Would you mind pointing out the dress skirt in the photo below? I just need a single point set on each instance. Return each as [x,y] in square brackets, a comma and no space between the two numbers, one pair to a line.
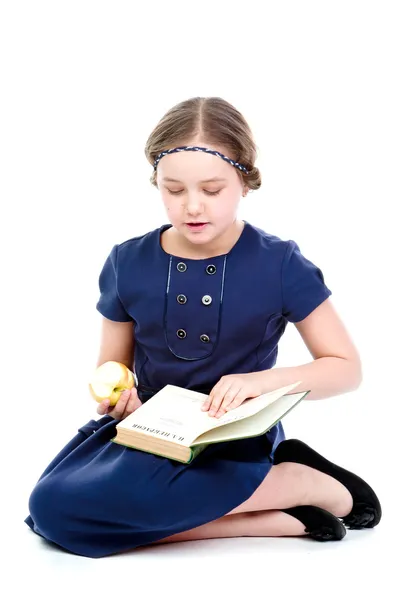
[98,498]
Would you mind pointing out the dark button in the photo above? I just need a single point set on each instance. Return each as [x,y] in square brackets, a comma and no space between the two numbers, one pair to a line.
[211,269]
[204,338]
[206,300]
[181,267]
[181,299]
[181,333]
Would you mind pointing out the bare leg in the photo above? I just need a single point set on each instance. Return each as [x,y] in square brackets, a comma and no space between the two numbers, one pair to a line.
[292,484]
[271,523]
[287,485]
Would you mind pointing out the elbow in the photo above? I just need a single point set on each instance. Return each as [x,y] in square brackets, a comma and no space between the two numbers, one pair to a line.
[355,371]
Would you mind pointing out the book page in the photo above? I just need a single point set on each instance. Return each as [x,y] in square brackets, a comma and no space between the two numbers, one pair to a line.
[250,407]
[174,414]
[254,425]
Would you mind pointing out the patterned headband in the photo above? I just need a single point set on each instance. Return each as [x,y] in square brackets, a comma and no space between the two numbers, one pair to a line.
[199,149]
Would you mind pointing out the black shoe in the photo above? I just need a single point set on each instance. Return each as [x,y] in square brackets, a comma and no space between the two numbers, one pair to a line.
[366,511]
[319,523]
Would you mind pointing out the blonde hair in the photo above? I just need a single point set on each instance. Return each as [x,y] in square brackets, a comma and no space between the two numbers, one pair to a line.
[213,120]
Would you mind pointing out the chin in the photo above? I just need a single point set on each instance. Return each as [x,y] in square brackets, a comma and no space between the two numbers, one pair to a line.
[199,237]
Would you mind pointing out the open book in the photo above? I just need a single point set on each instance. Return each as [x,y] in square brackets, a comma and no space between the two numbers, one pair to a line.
[172,424]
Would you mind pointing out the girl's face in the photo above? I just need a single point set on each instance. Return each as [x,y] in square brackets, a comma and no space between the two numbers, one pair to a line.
[201,193]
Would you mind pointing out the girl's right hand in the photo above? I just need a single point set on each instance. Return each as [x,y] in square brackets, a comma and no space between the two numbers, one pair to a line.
[127,404]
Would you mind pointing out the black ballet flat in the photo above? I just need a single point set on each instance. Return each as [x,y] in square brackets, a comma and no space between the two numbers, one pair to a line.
[366,511]
[320,524]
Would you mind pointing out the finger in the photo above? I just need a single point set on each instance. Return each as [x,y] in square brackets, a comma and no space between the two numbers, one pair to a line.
[227,401]
[229,398]
[103,407]
[120,407]
[138,402]
[237,401]
[207,403]
[131,404]
[218,399]
[214,392]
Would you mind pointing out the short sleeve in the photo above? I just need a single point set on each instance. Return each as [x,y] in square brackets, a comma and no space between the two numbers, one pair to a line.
[303,285]
[109,303]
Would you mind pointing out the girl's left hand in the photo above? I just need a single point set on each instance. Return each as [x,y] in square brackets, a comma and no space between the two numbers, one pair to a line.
[231,391]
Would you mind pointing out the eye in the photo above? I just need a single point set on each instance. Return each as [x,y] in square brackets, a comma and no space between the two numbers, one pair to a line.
[209,193]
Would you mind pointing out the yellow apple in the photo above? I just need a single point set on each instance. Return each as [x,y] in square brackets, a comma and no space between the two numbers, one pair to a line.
[109,381]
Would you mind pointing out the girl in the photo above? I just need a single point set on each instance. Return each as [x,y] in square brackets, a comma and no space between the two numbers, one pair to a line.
[201,303]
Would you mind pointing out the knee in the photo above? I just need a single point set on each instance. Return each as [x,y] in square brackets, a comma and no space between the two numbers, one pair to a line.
[43,509]
[50,512]
[64,515]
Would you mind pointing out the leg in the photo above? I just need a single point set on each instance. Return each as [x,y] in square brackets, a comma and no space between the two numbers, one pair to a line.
[287,485]
[366,511]
[291,484]
[271,523]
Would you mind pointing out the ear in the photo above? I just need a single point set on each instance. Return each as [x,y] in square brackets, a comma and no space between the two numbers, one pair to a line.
[245,191]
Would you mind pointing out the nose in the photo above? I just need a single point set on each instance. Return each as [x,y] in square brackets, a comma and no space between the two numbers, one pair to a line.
[194,204]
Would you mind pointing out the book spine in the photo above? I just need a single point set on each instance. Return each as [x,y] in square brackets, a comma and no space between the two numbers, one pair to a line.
[195,451]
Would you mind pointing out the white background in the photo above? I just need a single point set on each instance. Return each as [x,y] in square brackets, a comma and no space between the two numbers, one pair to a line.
[82,85]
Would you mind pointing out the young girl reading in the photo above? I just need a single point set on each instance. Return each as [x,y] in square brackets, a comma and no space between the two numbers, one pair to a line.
[201,303]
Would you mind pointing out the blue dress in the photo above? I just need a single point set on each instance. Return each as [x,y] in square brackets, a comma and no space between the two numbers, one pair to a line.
[194,321]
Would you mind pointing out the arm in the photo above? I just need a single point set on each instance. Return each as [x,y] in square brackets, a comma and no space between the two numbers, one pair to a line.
[336,368]
[116,343]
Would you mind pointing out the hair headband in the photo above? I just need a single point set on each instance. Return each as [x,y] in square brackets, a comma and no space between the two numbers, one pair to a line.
[199,149]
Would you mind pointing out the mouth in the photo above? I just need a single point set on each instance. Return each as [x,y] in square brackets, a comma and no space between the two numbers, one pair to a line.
[196,226]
